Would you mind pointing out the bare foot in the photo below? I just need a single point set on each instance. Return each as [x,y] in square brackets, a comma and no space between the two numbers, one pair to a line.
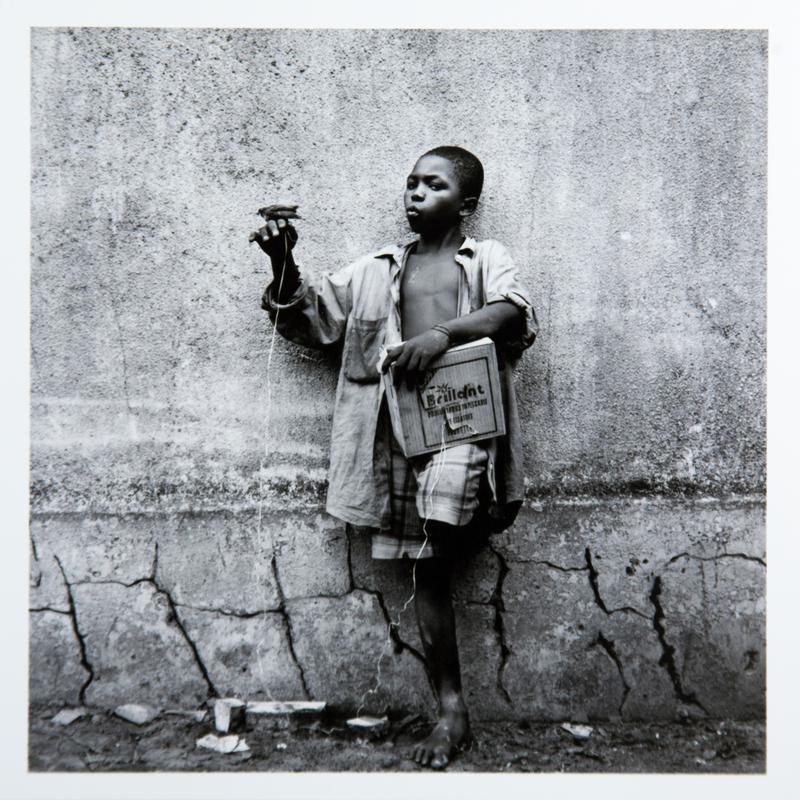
[450,734]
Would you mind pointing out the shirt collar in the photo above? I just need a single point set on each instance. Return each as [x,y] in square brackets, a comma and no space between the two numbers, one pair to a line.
[396,251]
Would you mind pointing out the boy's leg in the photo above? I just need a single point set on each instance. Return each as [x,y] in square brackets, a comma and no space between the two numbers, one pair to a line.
[431,503]
[438,633]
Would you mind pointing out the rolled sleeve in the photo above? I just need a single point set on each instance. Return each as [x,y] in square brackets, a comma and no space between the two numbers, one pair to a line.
[316,314]
[502,282]
[270,304]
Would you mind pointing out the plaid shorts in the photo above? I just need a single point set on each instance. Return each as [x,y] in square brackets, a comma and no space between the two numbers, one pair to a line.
[443,486]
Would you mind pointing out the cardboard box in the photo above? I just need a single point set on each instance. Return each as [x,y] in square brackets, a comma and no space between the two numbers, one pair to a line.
[458,401]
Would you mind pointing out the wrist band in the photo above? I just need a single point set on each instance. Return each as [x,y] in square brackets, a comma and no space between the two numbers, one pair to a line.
[446,331]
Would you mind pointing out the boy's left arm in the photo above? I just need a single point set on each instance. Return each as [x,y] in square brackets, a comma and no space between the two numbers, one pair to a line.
[500,320]
[503,289]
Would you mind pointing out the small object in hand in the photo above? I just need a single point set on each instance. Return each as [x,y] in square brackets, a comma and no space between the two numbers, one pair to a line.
[279,211]
[276,211]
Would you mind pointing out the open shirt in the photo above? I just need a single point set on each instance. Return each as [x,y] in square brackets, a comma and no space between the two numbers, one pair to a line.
[358,308]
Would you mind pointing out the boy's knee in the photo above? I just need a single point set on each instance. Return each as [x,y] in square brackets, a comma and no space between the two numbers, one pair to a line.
[432,573]
[440,530]
[458,541]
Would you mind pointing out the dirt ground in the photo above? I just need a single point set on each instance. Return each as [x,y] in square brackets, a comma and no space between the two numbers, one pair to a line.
[101,742]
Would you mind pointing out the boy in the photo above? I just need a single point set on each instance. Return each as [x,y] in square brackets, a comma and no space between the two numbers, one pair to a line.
[418,299]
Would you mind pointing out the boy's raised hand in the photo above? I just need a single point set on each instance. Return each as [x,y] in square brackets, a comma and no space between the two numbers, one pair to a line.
[411,358]
[276,239]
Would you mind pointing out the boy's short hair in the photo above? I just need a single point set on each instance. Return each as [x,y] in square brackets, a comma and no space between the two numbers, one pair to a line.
[468,168]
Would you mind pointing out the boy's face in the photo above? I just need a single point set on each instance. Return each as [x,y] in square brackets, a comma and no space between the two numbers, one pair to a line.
[433,197]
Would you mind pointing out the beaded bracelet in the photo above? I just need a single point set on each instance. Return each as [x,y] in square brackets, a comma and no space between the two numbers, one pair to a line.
[446,331]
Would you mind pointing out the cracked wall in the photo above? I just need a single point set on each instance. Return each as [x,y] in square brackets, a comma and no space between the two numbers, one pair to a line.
[625,172]
[580,611]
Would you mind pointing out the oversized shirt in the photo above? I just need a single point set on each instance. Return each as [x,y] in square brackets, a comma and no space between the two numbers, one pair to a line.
[358,308]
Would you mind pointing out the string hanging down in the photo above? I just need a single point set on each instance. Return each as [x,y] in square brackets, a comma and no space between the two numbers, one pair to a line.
[261,560]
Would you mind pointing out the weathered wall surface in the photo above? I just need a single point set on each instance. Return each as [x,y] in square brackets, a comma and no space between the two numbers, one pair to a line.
[180,548]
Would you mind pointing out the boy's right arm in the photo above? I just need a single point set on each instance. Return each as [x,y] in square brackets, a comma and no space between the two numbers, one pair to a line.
[313,316]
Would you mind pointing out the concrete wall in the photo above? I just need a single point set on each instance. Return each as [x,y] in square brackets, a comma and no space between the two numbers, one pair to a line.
[178,543]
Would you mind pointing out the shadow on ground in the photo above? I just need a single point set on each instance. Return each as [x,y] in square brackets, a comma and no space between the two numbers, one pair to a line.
[101,742]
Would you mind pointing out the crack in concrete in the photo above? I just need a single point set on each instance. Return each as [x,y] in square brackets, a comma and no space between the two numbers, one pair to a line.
[172,617]
[352,582]
[73,615]
[192,646]
[546,563]
[594,582]
[319,596]
[48,608]
[742,556]
[496,600]
[287,622]
[115,582]
[611,651]
[121,340]
[228,613]
[667,659]
[400,644]
[154,567]
[37,581]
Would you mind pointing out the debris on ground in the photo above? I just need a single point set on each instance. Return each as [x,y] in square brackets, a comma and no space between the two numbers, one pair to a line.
[103,742]
[578,731]
[285,707]
[137,714]
[198,715]
[229,714]
[68,715]
[223,744]
[273,715]
[374,726]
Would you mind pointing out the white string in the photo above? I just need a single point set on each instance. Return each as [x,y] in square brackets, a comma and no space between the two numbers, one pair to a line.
[261,577]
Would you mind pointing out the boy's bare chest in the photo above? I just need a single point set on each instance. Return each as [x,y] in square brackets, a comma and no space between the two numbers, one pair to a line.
[430,277]
[428,293]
